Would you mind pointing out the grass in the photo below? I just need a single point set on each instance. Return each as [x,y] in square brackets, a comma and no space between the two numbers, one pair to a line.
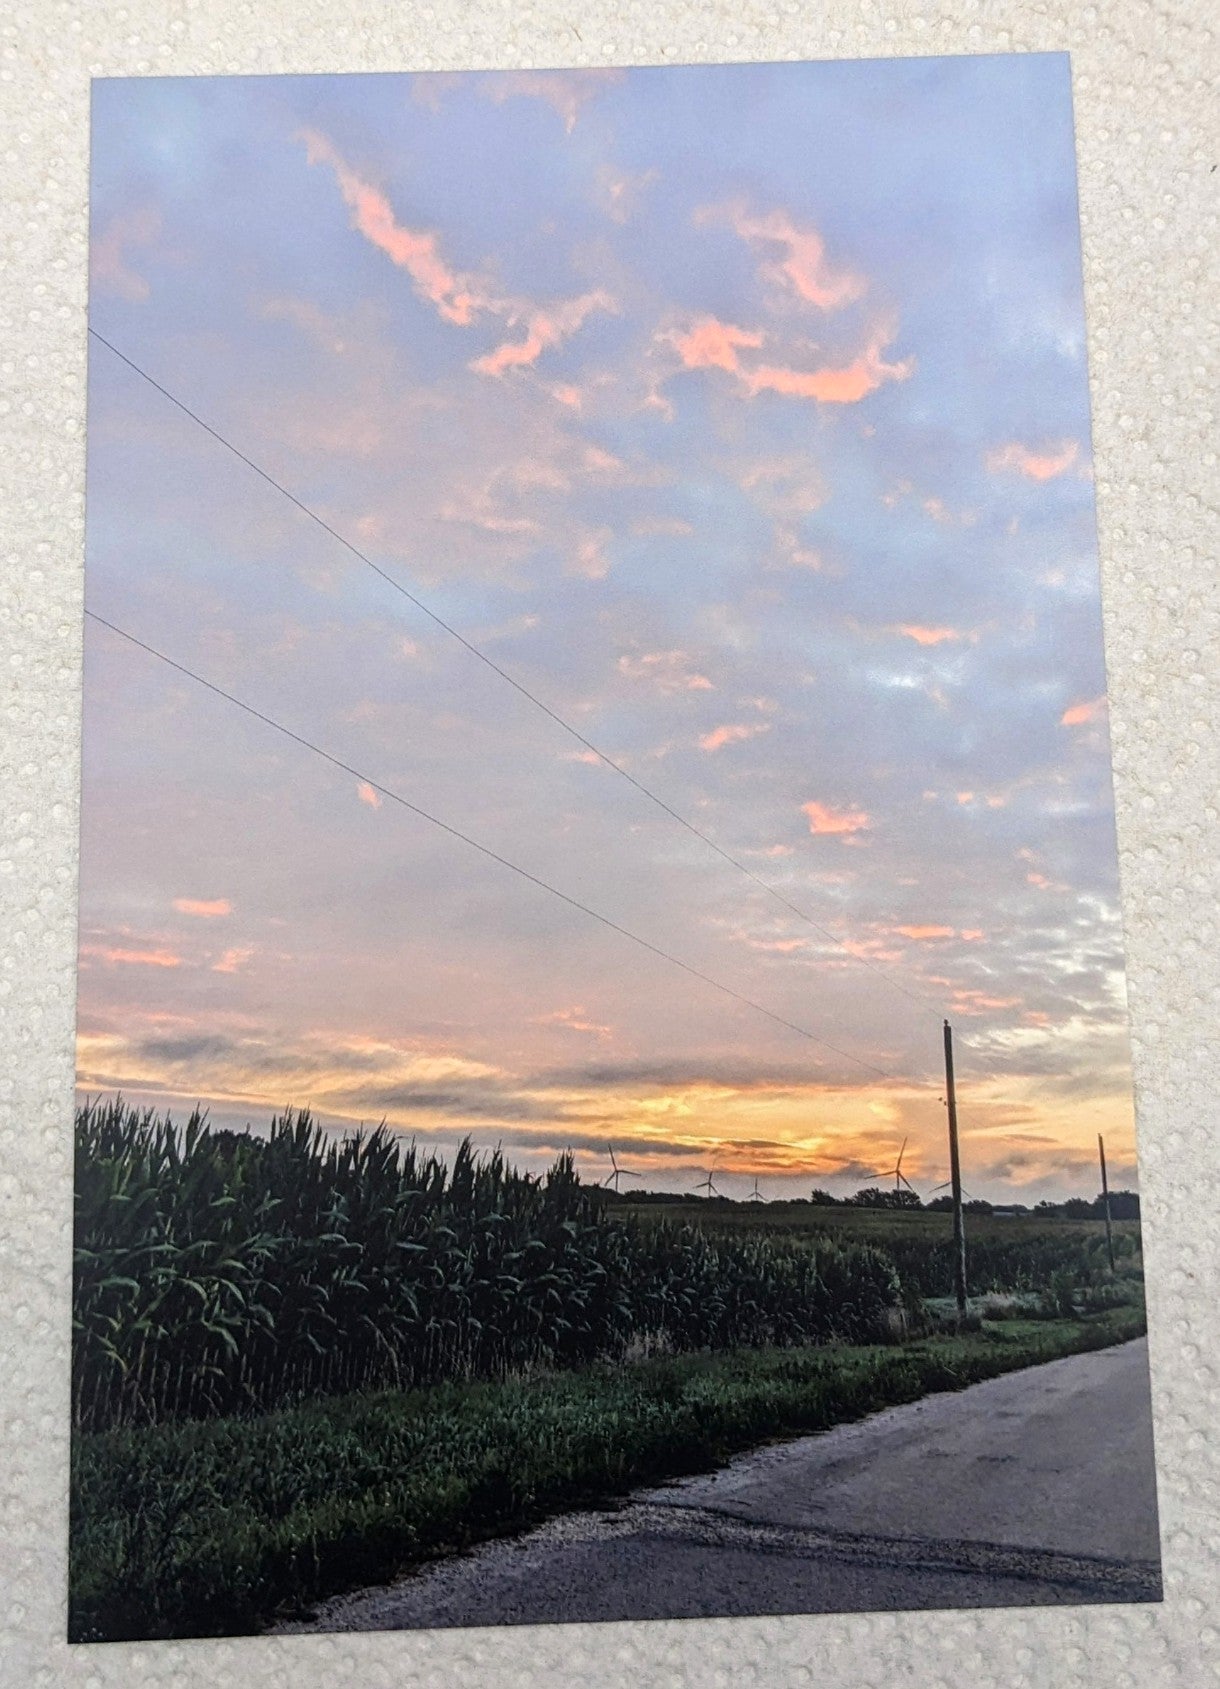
[212,1527]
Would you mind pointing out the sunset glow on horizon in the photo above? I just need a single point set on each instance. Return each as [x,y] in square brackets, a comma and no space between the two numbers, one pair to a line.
[740,415]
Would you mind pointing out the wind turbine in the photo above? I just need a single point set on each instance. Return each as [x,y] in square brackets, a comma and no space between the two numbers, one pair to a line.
[707,1184]
[755,1195]
[619,1172]
[900,1177]
[945,1186]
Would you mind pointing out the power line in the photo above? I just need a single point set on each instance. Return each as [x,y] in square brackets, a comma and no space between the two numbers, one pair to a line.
[483,850]
[518,686]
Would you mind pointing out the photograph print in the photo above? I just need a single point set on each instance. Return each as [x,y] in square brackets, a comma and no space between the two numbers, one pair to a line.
[603,1075]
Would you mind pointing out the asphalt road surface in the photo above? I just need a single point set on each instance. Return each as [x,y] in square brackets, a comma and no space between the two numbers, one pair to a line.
[1031,1489]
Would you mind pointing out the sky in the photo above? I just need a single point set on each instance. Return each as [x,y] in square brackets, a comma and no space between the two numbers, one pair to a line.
[740,416]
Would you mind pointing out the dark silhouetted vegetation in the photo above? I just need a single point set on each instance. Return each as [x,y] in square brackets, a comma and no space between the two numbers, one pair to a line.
[208,1527]
[220,1273]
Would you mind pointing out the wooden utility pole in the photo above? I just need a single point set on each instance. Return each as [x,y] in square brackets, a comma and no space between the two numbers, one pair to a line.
[1105,1197]
[955,1175]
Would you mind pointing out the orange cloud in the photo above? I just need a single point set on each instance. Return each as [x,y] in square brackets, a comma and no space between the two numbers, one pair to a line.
[926,636]
[133,958]
[924,932]
[824,820]
[800,264]
[204,907]
[368,795]
[564,91]
[457,298]
[545,328]
[1077,715]
[731,734]
[844,386]
[978,1002]
[711,344]
[1041,465]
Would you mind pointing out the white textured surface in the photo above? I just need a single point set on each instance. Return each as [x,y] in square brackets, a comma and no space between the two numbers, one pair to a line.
[1148,145]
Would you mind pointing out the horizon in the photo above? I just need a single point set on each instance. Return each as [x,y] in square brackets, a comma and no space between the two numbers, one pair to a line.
[741,414]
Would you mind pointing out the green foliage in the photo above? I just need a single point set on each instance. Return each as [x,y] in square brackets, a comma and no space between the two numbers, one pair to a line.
[207,1527]
[219,1273]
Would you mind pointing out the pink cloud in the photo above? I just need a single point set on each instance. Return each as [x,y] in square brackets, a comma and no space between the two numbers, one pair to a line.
[926,635]
[108,265]
[670,671]
[564,91]
[575,1019]
[1078,715]
[829,386]
[799,265]
[925,932]
[458,298]
[159,958]
[231,961]
[367,794]
[545,328]
[731,734]
[711,344]
[589,559]
[1041,465]
[206,908]
[844,822]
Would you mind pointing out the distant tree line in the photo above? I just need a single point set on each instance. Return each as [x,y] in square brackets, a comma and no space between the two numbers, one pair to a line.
[1124,1205]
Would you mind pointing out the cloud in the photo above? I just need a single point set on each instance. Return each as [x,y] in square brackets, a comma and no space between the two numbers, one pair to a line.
[205,908]
[589,559]
[108,265]
[564,91]
[546,327]
[926,635]
[232,960]
[711,344]
[787,485]
[843,822]
[116,955]
[923,932]
[731,734]
[575,1019]
[368,795]
[796,256]
[845,385]
[1077,715]
[458,298]
[669,671]
[621,192]
[1041,465]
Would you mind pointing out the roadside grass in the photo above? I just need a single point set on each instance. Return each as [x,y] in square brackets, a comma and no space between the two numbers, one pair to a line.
[209,1528]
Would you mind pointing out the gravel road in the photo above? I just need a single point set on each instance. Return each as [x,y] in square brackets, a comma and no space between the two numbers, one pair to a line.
[1031,1489]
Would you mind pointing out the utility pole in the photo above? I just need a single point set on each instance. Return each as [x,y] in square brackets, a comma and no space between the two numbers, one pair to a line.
[955,1174]
[1105,1197]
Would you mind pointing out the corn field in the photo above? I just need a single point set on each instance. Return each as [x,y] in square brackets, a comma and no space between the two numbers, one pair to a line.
[219,1273]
